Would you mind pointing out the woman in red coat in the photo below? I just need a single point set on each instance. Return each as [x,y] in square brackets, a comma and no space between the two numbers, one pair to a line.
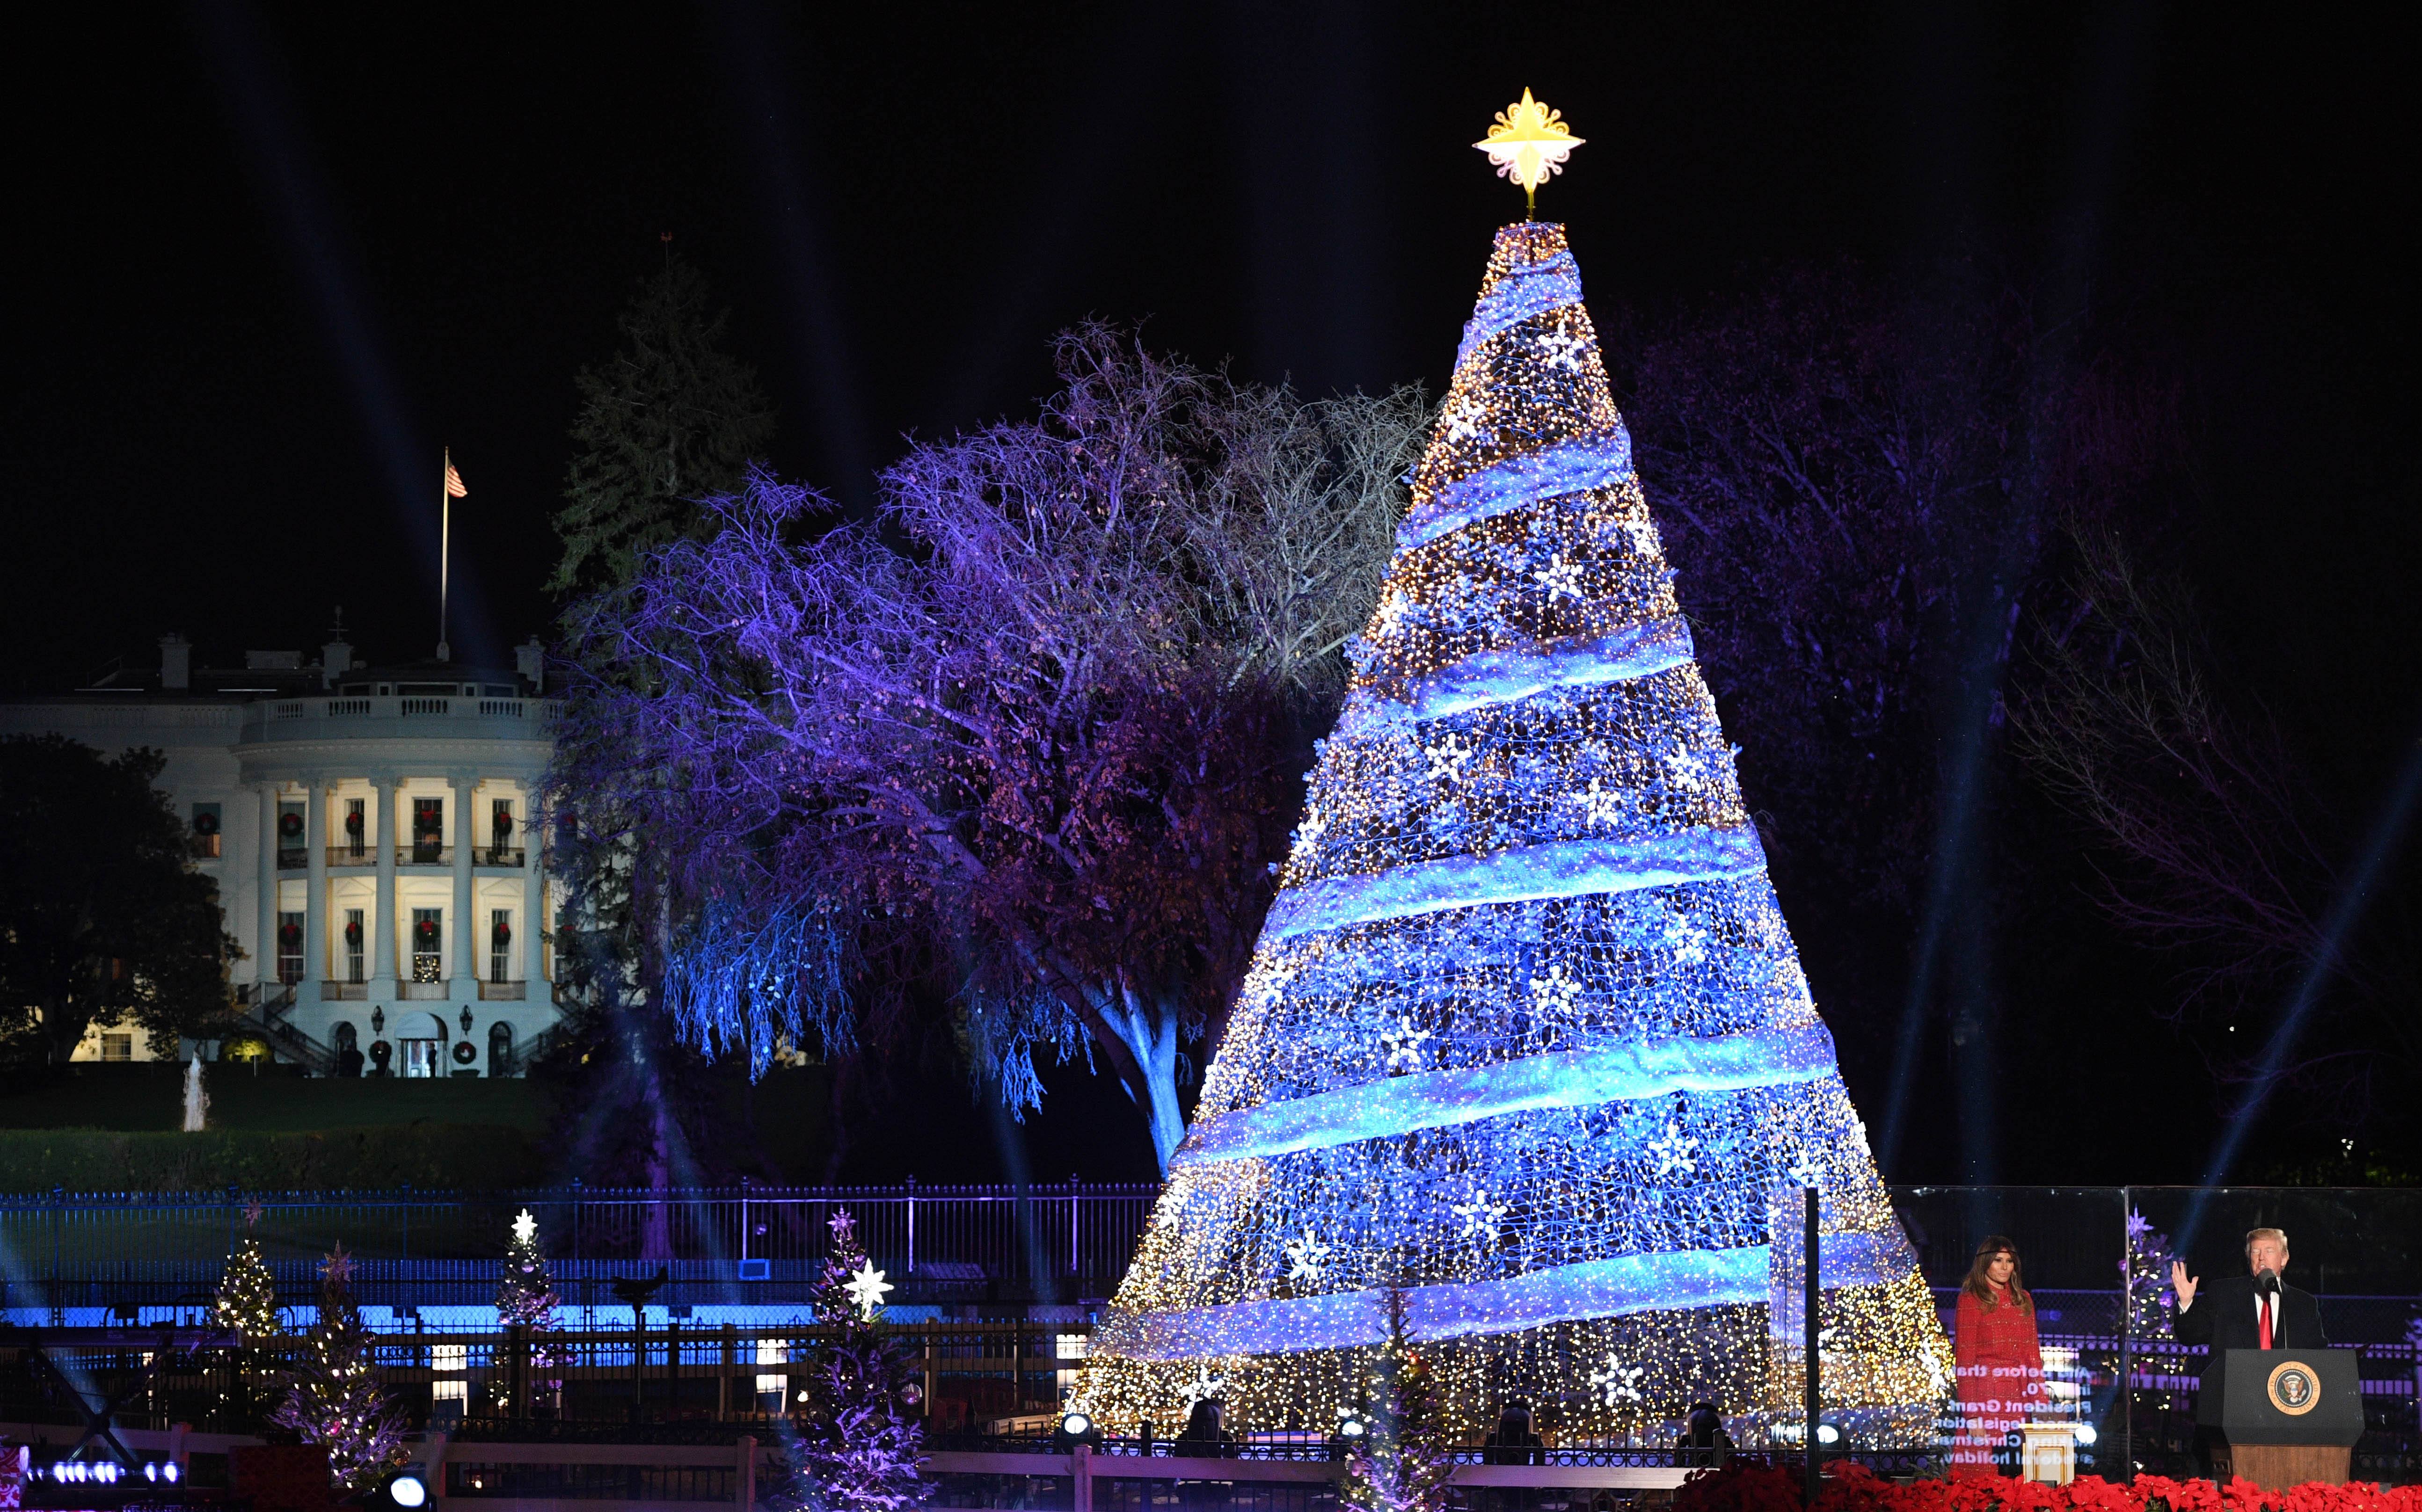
[2001,1366]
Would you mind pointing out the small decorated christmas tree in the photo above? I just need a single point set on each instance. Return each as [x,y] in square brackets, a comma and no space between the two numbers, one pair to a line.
[526,1293]
[860,1449]
[331,1398]
[1402,1464]
[525,1296]
[2147,1267]
[247,1294]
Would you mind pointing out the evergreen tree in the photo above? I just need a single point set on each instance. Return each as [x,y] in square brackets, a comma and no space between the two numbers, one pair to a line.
[858,1453]
[331,1398]
[1402,1464]
[669,417]
[103,917]
[526,1293]
[248,1295]
[525,1296]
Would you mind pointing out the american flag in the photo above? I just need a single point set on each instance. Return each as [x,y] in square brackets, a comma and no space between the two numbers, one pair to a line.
[454,487]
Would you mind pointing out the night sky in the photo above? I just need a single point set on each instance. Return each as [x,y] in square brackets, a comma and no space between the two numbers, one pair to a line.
[267,262]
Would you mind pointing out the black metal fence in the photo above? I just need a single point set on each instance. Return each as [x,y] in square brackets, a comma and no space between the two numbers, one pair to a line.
[161,1250]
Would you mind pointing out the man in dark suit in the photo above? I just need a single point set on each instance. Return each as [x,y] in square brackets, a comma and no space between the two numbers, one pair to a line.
[2254,1311]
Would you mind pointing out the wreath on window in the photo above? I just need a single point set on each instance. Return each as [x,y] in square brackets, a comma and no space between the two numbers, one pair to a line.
[426,932]
[504,823]
[290,826]
[502,935]
[206,822]
[290,936]
[354,825]
[463,1052]
[353,936]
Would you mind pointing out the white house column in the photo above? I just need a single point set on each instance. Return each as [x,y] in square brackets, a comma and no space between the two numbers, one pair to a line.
[264,956]
[534,920]
[466,943]
[315,892]
[384,831]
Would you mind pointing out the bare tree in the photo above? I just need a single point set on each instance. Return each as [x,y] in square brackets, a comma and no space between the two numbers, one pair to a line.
[2221,851]
[1046,747]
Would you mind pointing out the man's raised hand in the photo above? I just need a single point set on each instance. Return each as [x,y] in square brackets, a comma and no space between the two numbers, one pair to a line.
[2183,1283]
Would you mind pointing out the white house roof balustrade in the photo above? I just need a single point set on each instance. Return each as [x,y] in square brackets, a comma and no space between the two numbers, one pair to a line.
[285,737]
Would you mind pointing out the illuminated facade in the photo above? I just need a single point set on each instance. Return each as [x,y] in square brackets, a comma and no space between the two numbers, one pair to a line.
[1525,1035]
[369,827]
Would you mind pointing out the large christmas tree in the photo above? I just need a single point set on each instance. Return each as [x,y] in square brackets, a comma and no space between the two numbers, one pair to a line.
[1525,1035]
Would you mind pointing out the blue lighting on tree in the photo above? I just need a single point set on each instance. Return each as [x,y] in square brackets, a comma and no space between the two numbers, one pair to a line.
[1526,1038]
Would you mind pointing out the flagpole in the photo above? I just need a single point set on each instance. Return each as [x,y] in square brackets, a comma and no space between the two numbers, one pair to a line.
[444,545]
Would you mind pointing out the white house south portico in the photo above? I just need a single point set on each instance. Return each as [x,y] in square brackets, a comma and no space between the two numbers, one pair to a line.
[397,875]
[369,827]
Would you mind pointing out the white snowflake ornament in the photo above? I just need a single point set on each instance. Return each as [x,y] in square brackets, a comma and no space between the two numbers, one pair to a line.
[1306,1257]
[1556,994]
[1675,1152]
[1562,579]
[866,1288]
[1602,805]
[1448,759]
[1564,347]
[1462,420]
[1400,1047]
[1617,1382]
[1482,1218]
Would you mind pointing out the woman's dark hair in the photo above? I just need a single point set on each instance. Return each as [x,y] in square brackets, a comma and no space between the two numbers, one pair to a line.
[1204,1421]
[1980,1285]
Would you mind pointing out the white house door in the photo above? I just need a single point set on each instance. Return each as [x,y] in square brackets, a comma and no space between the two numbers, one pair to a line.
[421,1057]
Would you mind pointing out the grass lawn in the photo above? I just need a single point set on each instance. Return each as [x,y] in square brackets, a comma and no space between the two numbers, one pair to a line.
[151,1097]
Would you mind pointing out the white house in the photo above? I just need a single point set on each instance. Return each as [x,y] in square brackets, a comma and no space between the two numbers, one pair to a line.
[370,830]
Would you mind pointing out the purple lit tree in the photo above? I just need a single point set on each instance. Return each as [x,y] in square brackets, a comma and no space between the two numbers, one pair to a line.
[1046,756]
[859,1450]
[333,1398]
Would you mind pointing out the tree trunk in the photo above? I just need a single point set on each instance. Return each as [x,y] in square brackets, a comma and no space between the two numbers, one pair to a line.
[1147,1026]
[655,1225]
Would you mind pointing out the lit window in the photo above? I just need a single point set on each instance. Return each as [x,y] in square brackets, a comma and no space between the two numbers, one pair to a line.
[118,1047]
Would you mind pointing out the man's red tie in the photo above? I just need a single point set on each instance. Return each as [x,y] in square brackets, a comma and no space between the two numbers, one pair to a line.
[2264,1303]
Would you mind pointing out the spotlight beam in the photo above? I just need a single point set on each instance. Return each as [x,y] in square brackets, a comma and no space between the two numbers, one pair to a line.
[2343,916]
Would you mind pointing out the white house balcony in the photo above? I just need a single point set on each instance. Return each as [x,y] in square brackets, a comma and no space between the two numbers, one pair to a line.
[503,992]
[424,855]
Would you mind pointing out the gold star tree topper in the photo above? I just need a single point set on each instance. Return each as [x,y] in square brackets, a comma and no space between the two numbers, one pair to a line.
[1528,144]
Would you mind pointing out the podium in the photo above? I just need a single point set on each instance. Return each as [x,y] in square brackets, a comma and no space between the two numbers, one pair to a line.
[2282,1416]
